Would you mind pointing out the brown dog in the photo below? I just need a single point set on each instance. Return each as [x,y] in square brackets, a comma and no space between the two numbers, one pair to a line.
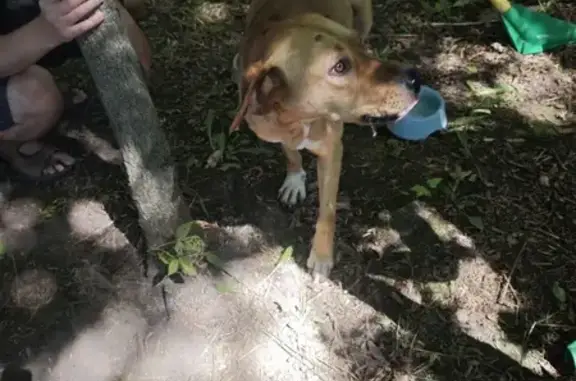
[303,73]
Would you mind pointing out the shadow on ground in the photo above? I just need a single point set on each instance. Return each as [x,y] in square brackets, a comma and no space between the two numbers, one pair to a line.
[58,276]
[466,307]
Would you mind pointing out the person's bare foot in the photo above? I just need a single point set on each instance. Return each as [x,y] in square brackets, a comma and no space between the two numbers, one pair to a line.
[36,160]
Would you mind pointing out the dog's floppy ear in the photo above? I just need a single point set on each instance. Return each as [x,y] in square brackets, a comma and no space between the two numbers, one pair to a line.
[264,88]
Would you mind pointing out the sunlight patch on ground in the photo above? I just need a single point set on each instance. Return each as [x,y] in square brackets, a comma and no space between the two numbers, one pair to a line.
[478,313]
[33,289]
[507,76]
[100,352]
[212,13]
[473,293]
[94,144]
[262,327]
[265,321]
[444,230]
[21,214]
[88,219]
[18,219]
[408,288]
[476,292]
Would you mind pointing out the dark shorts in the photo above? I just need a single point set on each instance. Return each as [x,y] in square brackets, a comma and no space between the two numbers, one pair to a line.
[12,19]
[5,115]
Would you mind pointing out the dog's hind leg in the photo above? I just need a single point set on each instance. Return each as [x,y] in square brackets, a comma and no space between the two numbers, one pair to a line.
[293,189]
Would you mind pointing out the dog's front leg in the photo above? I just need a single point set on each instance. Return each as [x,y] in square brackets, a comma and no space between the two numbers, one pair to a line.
[321,258]
[293,189]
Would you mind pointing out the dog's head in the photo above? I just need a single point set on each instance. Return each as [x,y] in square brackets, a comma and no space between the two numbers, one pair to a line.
[318,68]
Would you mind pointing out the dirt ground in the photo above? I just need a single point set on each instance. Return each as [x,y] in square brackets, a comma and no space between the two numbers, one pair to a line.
[456,254]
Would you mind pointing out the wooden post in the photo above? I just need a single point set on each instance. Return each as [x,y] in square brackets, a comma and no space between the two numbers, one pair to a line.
[116,72]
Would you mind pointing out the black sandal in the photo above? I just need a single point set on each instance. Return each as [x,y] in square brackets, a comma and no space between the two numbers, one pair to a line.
[47,163]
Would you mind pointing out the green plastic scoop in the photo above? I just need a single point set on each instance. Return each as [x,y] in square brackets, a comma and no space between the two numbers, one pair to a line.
[572,352]
[534,32]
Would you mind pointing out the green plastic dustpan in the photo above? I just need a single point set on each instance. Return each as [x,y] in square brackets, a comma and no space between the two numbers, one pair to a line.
[534,32]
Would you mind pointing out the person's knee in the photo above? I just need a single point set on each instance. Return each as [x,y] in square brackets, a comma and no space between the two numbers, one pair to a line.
[142,47]
[136,8]
[138,40]
[34,95]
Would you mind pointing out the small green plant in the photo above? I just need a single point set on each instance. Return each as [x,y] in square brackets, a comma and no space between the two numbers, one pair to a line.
[563,300]
[286,254]
[426,190]
[187,252]
[482,90]
[56,207]
[458,176]
[226,148]
[476,221]
[2,250]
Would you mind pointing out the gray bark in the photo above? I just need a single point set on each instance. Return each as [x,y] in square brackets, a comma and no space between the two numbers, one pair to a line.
[116,72]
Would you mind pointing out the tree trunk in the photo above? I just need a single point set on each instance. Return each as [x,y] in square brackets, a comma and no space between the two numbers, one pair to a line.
[117,74]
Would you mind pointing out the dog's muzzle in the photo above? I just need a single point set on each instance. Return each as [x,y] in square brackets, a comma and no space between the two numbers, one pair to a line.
[410,79]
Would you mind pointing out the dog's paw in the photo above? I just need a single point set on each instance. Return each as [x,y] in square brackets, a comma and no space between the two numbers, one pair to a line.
[319,265]
[293,189]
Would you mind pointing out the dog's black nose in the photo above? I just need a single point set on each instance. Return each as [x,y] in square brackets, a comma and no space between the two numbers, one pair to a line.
[412,80]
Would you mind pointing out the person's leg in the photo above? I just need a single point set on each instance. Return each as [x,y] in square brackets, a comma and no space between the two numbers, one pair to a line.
[137,36]
[35,104]
[5,115]
[136,8]
[31,106]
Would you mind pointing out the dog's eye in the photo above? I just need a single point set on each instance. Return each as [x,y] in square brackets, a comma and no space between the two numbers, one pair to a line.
[342,67]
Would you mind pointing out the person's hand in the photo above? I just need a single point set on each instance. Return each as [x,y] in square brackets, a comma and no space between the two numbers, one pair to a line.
[72,18]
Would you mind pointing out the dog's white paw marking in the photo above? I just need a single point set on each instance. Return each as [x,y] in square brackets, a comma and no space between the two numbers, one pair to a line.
[319,265]
[294,188]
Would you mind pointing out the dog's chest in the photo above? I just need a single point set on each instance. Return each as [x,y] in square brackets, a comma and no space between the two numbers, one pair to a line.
[307,142]
[296,136]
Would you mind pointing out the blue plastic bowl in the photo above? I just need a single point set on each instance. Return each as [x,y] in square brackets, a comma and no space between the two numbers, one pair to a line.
[427,117]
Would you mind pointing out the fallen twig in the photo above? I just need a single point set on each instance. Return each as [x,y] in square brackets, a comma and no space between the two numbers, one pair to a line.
[509,277]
